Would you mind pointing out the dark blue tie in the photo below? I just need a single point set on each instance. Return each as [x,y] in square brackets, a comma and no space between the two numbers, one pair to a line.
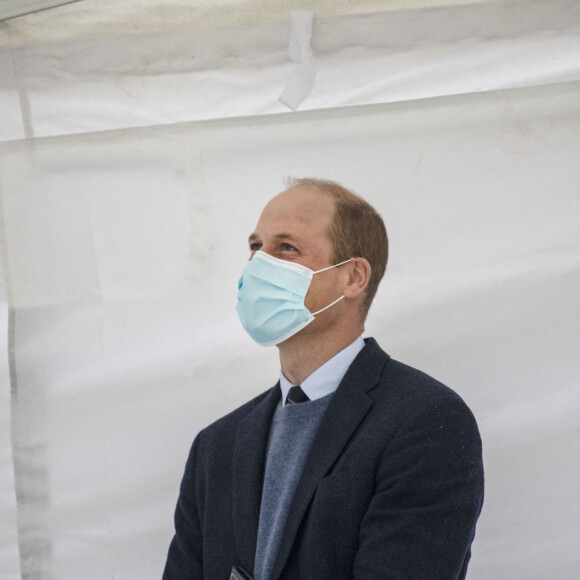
[296,395]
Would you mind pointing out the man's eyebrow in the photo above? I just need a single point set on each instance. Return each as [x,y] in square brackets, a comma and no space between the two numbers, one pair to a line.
[253,237]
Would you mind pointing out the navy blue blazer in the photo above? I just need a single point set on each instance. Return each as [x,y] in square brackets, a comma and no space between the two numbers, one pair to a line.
[392,487]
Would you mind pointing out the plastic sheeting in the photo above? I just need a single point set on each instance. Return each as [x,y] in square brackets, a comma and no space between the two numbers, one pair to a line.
[122,252]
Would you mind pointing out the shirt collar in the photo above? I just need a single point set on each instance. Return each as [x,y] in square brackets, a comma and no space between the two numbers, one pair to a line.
[325,379]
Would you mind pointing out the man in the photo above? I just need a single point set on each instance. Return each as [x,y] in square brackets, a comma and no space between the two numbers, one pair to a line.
[353,465]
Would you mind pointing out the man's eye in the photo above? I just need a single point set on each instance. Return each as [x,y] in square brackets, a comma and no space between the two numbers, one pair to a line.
[255,246]
[287,248]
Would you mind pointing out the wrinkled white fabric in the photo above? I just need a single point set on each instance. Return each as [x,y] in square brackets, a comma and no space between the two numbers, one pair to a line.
[302,80]
[116,82]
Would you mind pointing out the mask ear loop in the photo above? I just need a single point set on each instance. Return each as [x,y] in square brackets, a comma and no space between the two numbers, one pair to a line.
[333,266]
[324,270]
[331,304]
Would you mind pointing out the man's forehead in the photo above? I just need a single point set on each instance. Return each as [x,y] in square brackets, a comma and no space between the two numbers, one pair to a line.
[305,203]
[308,192]
[296,215]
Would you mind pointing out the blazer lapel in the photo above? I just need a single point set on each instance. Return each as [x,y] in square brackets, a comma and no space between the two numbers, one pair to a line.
[248,475]
[347,409]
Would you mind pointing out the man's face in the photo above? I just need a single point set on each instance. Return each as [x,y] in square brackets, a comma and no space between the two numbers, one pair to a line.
[294,227]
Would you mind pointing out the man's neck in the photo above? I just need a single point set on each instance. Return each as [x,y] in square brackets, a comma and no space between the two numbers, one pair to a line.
[300,358]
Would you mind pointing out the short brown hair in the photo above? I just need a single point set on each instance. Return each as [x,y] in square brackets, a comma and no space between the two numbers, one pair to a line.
[357,230]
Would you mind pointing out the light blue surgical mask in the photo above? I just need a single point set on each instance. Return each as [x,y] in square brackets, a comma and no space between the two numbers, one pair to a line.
[271,296]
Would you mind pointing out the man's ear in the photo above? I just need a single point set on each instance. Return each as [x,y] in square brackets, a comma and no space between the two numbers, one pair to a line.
[359,277]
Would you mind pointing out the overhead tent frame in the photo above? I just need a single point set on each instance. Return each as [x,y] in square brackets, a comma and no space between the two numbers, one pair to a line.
[121,259]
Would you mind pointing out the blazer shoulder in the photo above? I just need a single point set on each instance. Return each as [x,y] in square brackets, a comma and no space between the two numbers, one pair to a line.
[414,391]
[414,379]
[406,380]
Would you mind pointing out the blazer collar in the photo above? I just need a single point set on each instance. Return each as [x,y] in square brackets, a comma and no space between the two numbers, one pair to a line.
[347,409]
[248,474]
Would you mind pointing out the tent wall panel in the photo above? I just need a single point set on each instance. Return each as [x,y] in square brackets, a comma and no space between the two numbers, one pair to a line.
[122,355]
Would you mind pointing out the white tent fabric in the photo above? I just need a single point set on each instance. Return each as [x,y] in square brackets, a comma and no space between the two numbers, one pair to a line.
[122,248]
[98,84]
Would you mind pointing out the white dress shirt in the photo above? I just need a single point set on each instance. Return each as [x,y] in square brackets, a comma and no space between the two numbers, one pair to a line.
[325,379]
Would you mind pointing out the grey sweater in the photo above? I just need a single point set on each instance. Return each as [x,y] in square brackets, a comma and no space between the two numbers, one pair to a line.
[291,436]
